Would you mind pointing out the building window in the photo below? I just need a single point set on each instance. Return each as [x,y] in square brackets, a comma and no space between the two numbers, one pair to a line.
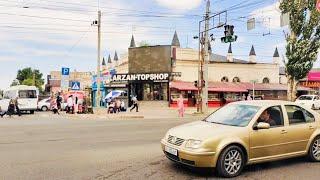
[236,80]
[225,79]
[265,80]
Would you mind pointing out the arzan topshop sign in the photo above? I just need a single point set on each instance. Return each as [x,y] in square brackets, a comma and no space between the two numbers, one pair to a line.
[155,77]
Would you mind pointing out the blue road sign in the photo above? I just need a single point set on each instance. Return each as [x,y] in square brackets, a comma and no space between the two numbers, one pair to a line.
[75,85]
[65,71]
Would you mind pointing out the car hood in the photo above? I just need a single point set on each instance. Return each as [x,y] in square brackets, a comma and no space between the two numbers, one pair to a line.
[202,130]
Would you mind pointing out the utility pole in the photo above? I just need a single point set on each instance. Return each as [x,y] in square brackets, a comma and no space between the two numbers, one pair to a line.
[98,95]
[206,60]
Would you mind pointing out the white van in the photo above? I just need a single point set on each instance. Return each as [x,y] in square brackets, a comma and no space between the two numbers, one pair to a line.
[27,97]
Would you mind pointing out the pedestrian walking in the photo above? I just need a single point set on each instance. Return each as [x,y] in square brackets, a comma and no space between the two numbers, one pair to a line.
[76,104]
[11,108]
[54,106]
[118,105]
[181,106]
[249,98]
[2,113]
[59,101]
[135,104]
[70,104]
[16,104]
[243,97]
[122,106]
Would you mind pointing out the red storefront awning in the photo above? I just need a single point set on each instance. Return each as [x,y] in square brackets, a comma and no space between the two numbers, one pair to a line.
[232,87]
[213,86]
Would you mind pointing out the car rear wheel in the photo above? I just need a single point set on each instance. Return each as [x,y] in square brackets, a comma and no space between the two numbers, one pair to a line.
[314,150]
[230,162]
[44,108]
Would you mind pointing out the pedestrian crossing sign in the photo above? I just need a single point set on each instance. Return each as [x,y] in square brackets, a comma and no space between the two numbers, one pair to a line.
[75,85]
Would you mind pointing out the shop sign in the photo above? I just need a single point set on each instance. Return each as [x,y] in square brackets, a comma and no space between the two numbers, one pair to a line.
[155,77]
[310,84]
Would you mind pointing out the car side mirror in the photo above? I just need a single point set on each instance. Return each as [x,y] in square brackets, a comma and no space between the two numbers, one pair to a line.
[262,125]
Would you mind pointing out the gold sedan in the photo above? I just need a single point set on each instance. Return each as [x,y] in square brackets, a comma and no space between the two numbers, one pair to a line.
[243,133]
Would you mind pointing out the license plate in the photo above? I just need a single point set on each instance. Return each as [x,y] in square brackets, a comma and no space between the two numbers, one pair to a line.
[171,150]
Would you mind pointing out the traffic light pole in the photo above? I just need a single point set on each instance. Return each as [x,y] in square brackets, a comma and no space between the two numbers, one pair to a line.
[98,97]
[205,61]
[203,77]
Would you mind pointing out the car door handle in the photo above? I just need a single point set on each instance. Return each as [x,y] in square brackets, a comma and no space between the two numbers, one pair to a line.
[311,127]
[284,131]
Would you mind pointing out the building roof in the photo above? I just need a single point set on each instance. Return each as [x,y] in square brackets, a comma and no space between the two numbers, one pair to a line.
[252,51]
[115,56]
[175,40]
[230,48]
[109,59]
[276,53]
[220,58]
[103,62]
[132,43]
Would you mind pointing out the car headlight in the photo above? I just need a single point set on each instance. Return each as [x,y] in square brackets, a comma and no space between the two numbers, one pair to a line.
[194,144]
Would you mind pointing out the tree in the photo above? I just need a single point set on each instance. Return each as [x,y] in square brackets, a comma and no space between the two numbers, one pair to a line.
[27,76]
[303,41]
[144,44]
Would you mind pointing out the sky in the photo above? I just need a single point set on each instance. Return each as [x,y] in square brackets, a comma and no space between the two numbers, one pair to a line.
[50,34]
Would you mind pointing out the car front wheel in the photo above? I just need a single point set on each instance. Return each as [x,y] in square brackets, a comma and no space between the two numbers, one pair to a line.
[230,162]
[44,108]
[314,150]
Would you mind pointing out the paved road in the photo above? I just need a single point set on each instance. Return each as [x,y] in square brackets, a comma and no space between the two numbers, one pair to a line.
[53,147]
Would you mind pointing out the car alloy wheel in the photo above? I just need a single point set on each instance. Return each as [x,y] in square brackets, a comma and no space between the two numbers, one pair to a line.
[231,161]
[315,150]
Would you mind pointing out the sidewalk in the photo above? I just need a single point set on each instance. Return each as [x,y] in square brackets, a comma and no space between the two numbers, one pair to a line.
[144,113]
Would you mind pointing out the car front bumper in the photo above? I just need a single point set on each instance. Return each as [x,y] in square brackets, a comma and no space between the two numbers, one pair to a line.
[194,159]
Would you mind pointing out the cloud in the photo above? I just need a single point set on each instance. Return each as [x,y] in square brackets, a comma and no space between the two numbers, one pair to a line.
[179,4]
[271,11]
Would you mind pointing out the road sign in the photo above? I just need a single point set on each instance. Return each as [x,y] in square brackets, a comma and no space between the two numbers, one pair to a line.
[75,85]
[65,71]
[318,5]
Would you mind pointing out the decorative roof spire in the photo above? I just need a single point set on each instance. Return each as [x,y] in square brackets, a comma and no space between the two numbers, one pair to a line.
[252,51]
[175,40]
[103,62]
[115,56]
[109,59]
[276,53]
[230,49]
[132,43]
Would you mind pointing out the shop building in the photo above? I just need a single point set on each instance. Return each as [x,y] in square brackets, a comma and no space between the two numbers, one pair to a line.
[229,77]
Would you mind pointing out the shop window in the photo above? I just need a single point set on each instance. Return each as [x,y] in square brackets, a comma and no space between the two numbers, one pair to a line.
[225,79]
[236,80]
[265,80]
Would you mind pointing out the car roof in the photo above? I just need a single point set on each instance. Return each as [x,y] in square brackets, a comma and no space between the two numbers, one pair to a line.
[263,103]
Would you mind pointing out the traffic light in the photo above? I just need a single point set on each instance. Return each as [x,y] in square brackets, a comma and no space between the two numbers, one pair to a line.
[229,34]
[196,83]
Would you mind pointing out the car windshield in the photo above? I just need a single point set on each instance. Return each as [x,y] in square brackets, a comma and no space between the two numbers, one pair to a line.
[233,115]
[305,98]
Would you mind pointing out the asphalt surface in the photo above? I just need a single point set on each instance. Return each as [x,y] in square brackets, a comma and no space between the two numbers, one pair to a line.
[43,146]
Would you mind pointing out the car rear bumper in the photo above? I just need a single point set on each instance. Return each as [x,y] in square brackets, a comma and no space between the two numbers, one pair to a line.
[194,159]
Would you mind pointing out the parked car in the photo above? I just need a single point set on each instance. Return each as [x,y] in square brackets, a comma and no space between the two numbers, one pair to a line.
[44,104]
[245,132]
[310,101]
[27,97]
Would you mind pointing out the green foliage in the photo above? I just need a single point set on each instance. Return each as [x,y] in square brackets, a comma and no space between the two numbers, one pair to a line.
[144,44]
[303,42]
[25,77]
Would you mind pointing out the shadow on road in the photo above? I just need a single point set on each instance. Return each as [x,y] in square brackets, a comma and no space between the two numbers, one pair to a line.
[210,172]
